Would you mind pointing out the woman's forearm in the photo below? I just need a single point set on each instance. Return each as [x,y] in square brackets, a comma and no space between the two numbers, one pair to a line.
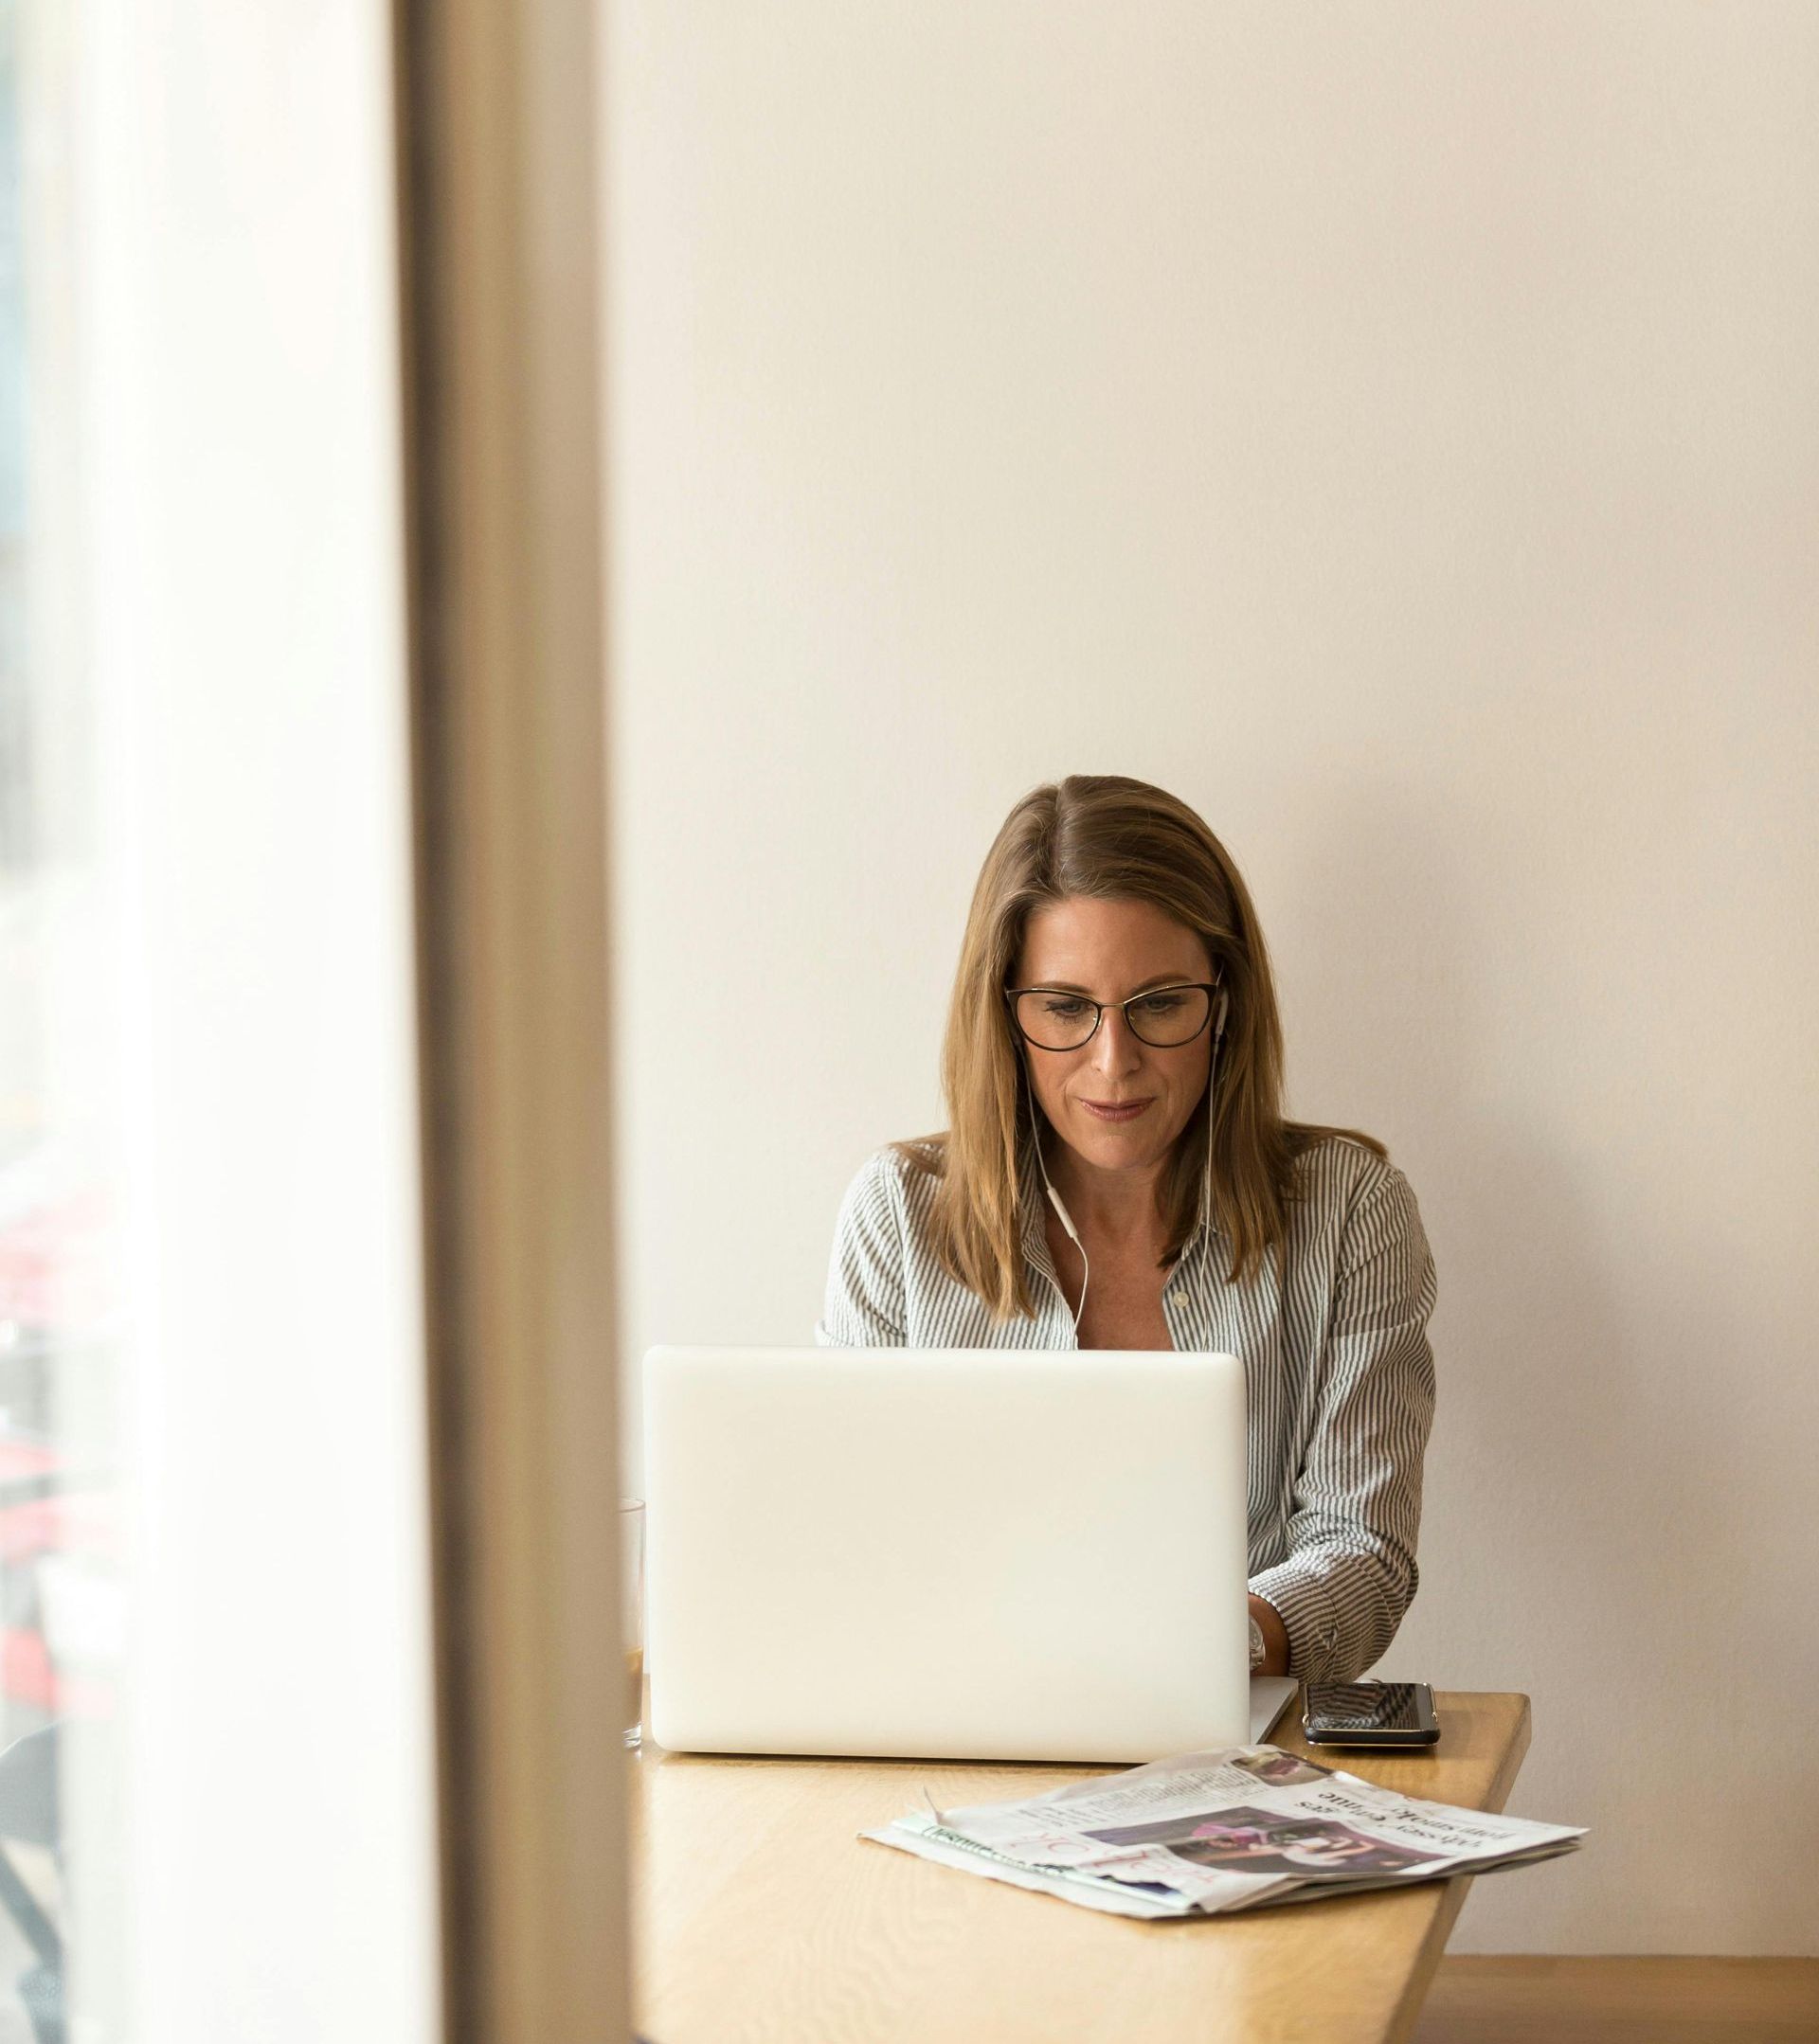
[1276,1638]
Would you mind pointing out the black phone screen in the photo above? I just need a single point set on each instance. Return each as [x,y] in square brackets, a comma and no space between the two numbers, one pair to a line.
[1371,1707]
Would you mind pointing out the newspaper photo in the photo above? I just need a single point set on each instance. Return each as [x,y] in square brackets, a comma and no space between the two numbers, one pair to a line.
[1205,1833]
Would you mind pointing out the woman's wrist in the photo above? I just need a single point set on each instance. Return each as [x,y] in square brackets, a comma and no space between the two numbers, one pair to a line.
[1276,1638]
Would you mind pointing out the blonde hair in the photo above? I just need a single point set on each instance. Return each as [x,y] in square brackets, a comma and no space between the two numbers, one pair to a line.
[1107,837]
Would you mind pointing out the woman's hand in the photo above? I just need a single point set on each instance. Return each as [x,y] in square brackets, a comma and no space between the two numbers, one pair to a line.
[1275,1641]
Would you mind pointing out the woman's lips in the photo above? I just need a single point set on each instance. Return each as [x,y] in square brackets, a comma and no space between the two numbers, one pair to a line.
[1117,1110]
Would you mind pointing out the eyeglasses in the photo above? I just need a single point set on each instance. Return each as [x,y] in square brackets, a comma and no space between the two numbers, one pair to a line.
[1165,1017]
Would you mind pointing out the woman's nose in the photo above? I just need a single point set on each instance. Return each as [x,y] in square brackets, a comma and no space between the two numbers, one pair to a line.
[1116,1046]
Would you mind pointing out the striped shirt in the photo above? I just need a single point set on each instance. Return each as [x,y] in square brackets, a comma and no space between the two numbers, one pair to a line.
[1339,1376]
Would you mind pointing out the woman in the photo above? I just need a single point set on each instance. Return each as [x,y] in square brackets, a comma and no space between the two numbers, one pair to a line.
[1117,1173]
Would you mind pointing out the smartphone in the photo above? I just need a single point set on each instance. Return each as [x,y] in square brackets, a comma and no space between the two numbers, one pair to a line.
[1370,1713]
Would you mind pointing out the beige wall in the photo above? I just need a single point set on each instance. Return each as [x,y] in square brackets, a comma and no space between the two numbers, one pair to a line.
[1393,429]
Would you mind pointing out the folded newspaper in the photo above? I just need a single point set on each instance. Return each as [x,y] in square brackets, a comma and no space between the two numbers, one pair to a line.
[1203,1833]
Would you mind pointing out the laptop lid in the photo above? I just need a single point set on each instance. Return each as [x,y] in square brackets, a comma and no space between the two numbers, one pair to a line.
[957,1554]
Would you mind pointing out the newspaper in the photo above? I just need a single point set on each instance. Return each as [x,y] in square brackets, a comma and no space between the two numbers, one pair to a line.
[1204,1834]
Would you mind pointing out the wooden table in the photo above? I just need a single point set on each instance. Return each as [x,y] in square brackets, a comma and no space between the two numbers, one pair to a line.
[761,1915]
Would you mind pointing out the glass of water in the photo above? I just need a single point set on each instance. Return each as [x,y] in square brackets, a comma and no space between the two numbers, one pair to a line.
[631,1605]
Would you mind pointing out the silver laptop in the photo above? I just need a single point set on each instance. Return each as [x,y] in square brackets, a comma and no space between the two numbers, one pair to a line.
[977,1554]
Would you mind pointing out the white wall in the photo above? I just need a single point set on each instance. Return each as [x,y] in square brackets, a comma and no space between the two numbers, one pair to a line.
[1394,430]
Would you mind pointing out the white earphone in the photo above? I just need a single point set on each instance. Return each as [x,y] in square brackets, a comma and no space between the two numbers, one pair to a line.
[1066,1219]
[1211,1073]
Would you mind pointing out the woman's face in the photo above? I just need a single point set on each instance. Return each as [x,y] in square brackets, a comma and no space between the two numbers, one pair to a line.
[1108,951]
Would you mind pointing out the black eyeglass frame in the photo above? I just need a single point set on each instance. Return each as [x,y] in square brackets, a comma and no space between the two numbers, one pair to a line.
[1208,987]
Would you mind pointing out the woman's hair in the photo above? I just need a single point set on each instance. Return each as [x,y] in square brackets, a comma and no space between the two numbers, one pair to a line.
[1108,838]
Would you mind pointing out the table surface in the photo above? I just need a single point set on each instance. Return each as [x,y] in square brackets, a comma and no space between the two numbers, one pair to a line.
[760,1914]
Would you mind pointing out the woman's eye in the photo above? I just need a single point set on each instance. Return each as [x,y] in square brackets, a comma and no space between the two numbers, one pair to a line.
[1163,1004]
[1058,1004]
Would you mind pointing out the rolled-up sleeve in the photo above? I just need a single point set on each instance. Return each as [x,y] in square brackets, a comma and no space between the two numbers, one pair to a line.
[865,1291]
[1350,1572]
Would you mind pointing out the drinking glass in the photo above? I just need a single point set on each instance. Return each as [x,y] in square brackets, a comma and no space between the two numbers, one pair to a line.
[631,1603]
